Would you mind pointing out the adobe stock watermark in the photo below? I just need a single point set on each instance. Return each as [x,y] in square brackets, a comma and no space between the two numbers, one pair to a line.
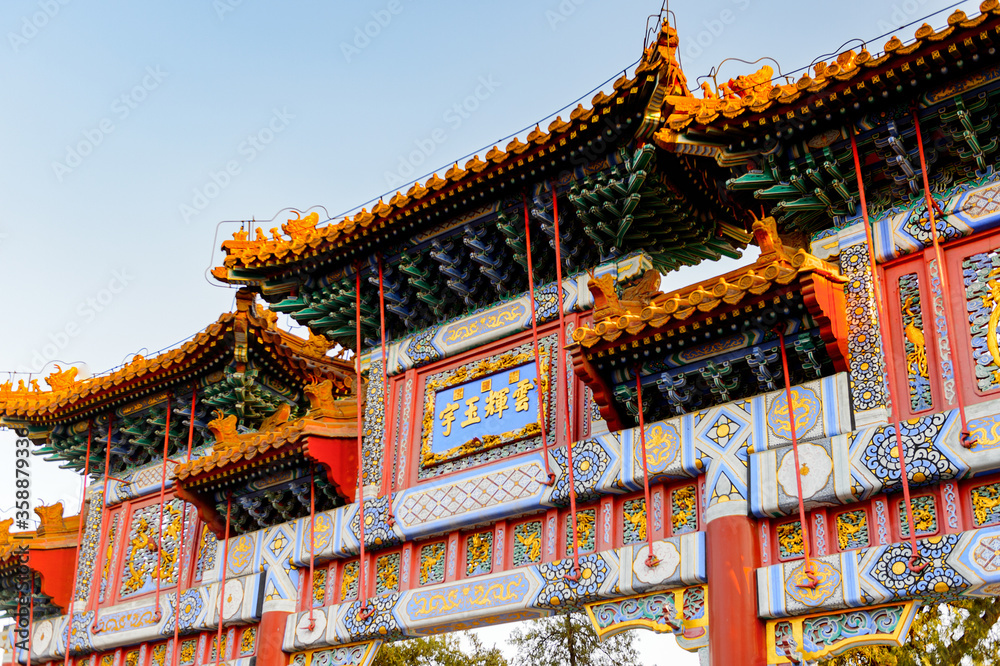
[363,35]
[121,108]
[562,12]
[454,116]
[712,29]
[86,311]
[32,24]
[246,152]
[223,7]
[901,14]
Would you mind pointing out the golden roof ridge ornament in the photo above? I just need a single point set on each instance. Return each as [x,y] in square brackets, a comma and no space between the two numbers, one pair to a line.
[301,231]
[223,429]
[675,82]
[323,404]
[51,519]
[301,227]
[633,300]
[60,379]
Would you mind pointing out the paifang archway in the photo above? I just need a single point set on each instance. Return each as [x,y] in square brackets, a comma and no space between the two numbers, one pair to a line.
[529,431]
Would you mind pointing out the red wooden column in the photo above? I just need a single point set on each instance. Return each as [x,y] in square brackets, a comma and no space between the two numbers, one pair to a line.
[735,634]
[270,633]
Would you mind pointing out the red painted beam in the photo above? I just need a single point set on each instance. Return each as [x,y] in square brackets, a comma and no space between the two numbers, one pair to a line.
[604,396]
[824,299]
[339,457]
[206,510]
[56,568]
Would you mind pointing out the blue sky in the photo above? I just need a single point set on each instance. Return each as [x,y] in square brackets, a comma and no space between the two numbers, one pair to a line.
[132,129]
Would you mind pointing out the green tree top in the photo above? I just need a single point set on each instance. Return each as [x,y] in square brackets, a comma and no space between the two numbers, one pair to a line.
[957,632]
[569,640]
[443,650]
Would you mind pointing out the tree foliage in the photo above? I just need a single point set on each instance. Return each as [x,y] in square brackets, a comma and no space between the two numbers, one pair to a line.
[569,640]
[445,650]
[941,634]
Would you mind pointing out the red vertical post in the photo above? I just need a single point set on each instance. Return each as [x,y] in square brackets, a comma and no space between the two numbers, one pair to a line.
[736,636]
[270,633]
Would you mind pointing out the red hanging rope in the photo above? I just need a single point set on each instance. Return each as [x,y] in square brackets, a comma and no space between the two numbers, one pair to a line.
[966,437]
[94,628]
[312,545]
[880,298]
[79,538]
[651,560]
[364,613]
[222,580]
[563,392]
[390,518]
[180,555]
[158,614]
[809,570]
[550,478]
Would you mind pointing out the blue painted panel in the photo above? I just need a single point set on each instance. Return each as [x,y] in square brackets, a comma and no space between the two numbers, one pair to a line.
[504,402]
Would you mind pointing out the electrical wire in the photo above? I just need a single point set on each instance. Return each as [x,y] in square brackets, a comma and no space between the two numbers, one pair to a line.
[364,612]
[312,544]
[94,627]
[387,480]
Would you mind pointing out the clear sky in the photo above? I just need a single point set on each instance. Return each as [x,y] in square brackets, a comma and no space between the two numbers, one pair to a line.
[130,130]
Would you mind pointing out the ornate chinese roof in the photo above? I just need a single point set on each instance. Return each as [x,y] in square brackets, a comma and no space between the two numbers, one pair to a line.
[300,239]
[458,243]
[249,330]
[242,364]
[788,144]
[643,306]
[758,101]
[269,470]
[746,105]
[714,341]
[48,552]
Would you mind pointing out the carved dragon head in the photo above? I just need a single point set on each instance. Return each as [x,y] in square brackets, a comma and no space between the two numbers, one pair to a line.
[223,428]
[51,518]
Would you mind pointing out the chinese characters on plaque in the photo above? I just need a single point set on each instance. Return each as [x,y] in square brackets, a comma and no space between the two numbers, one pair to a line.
[502,405]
